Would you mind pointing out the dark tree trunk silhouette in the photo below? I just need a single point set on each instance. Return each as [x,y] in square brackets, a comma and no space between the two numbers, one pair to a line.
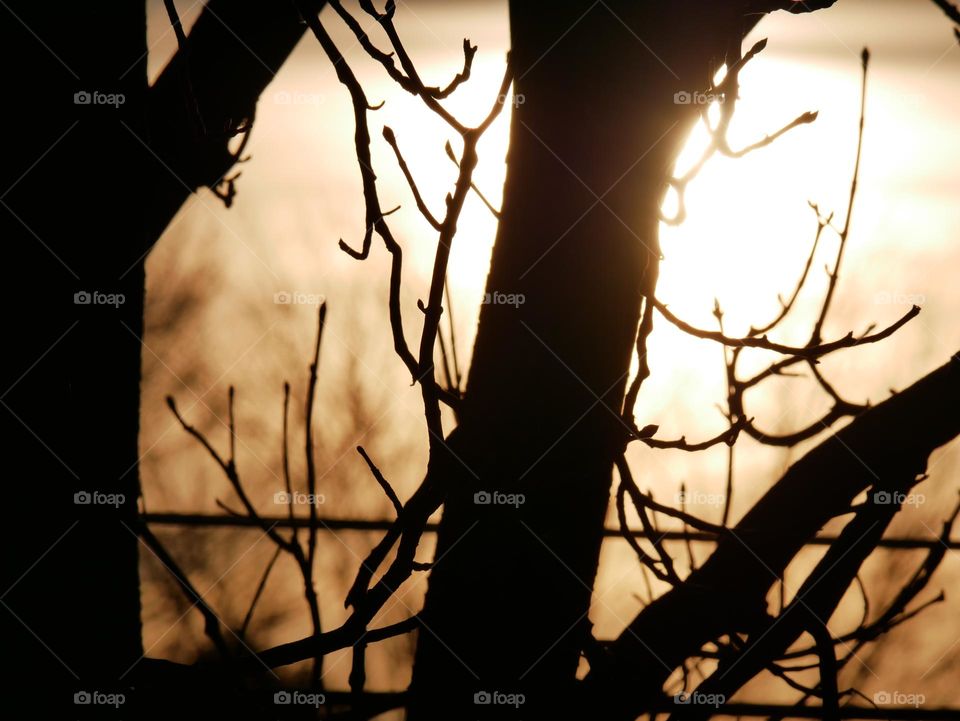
[232,53]
[74,203]
[87,188]
[591,147]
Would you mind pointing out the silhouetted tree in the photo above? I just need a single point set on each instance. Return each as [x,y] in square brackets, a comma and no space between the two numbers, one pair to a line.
[97,164]
[547,411]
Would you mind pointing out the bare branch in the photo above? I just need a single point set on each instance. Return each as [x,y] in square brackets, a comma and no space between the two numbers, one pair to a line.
[422,206]
[473,186]
[949,9]
[230,471]
[308,444]
[747,560]
[845,232]
[211,625]
[384,483]
[799,352]
[259,592]
[669,574]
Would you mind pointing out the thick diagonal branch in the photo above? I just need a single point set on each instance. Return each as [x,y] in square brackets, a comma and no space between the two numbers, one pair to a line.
[889,443]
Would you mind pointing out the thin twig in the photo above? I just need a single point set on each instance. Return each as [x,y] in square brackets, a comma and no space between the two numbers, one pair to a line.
[211,625]
[815,337]
[259,592]
[384,483]
[473,186]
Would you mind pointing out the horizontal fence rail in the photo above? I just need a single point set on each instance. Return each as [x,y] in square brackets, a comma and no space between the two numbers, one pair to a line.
[357,524]
[738,710]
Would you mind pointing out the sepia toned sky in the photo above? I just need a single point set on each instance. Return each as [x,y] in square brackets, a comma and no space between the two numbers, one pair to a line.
[746,238]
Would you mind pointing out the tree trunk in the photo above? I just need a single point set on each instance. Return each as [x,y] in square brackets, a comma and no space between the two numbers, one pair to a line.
[593,137]
[74,199]
[233,52]
[84,200]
